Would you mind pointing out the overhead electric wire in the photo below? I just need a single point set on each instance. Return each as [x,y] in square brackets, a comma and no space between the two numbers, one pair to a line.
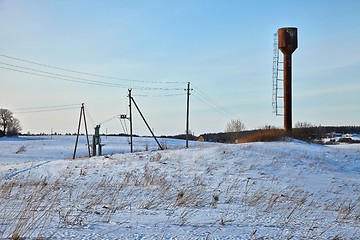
[85,73]
[54,77]
[215,108]
[163,95]
[45,107]
[84,81]
[108,120]
[60,75]
[45,110]
[122,125]
[217,105]
[90,117]
[211,103]
[201,96]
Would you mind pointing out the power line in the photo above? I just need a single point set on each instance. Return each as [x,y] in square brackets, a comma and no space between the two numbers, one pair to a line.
[108,120]
[89,115]
[201,96]
[44,107]
[160,95]
[46,110]
[124,127]
[83,80]
[216,104]
[214,107]
[85,73]
[61,76]
[212,103]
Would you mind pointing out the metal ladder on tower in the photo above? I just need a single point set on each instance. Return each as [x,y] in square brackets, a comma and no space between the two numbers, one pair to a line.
[277,80]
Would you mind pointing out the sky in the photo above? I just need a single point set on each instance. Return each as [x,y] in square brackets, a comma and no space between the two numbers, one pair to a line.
[55,55]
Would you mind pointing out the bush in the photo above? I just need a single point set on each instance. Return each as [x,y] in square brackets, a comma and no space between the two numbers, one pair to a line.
[308,134]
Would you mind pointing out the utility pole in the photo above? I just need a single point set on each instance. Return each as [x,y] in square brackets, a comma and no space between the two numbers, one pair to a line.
[187,113]
[82,112]
[130,119]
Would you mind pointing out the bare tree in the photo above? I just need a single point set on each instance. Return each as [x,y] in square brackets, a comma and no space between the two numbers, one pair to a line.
[9,125]
[235,126]
[14,127]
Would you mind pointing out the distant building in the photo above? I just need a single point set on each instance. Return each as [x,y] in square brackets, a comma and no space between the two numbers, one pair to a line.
[220,137]
[201,138]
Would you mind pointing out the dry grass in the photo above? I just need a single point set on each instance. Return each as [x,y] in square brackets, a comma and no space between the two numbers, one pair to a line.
[263,136]
[270,135]
[28,207]
[21,149]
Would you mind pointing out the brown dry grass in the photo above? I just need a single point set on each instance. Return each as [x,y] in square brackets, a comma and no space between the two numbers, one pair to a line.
[268,135]
[28,206]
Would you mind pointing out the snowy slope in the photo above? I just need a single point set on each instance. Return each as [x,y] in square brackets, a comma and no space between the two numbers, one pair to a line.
[278,190]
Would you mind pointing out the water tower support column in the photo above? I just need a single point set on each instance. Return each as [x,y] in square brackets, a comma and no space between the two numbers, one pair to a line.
[287,93]
[287,43]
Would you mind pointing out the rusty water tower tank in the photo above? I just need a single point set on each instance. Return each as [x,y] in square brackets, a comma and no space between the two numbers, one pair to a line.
[287,43]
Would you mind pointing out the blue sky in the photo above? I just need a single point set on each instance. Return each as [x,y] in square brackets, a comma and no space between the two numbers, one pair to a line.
[224,48]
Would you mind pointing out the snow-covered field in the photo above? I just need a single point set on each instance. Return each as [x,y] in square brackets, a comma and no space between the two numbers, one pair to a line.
[276,190]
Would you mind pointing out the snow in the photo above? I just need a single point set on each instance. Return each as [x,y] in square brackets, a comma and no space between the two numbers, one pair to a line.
[275,190]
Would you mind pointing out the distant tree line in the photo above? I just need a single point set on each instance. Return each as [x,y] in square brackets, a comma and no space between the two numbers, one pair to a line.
[340,129]
[301,131]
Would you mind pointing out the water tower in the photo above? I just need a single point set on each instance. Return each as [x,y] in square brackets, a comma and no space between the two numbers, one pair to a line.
[287,43]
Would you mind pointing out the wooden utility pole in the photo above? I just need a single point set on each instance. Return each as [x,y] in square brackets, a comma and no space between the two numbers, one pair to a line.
[187,113]
[130,119]
[82,112]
